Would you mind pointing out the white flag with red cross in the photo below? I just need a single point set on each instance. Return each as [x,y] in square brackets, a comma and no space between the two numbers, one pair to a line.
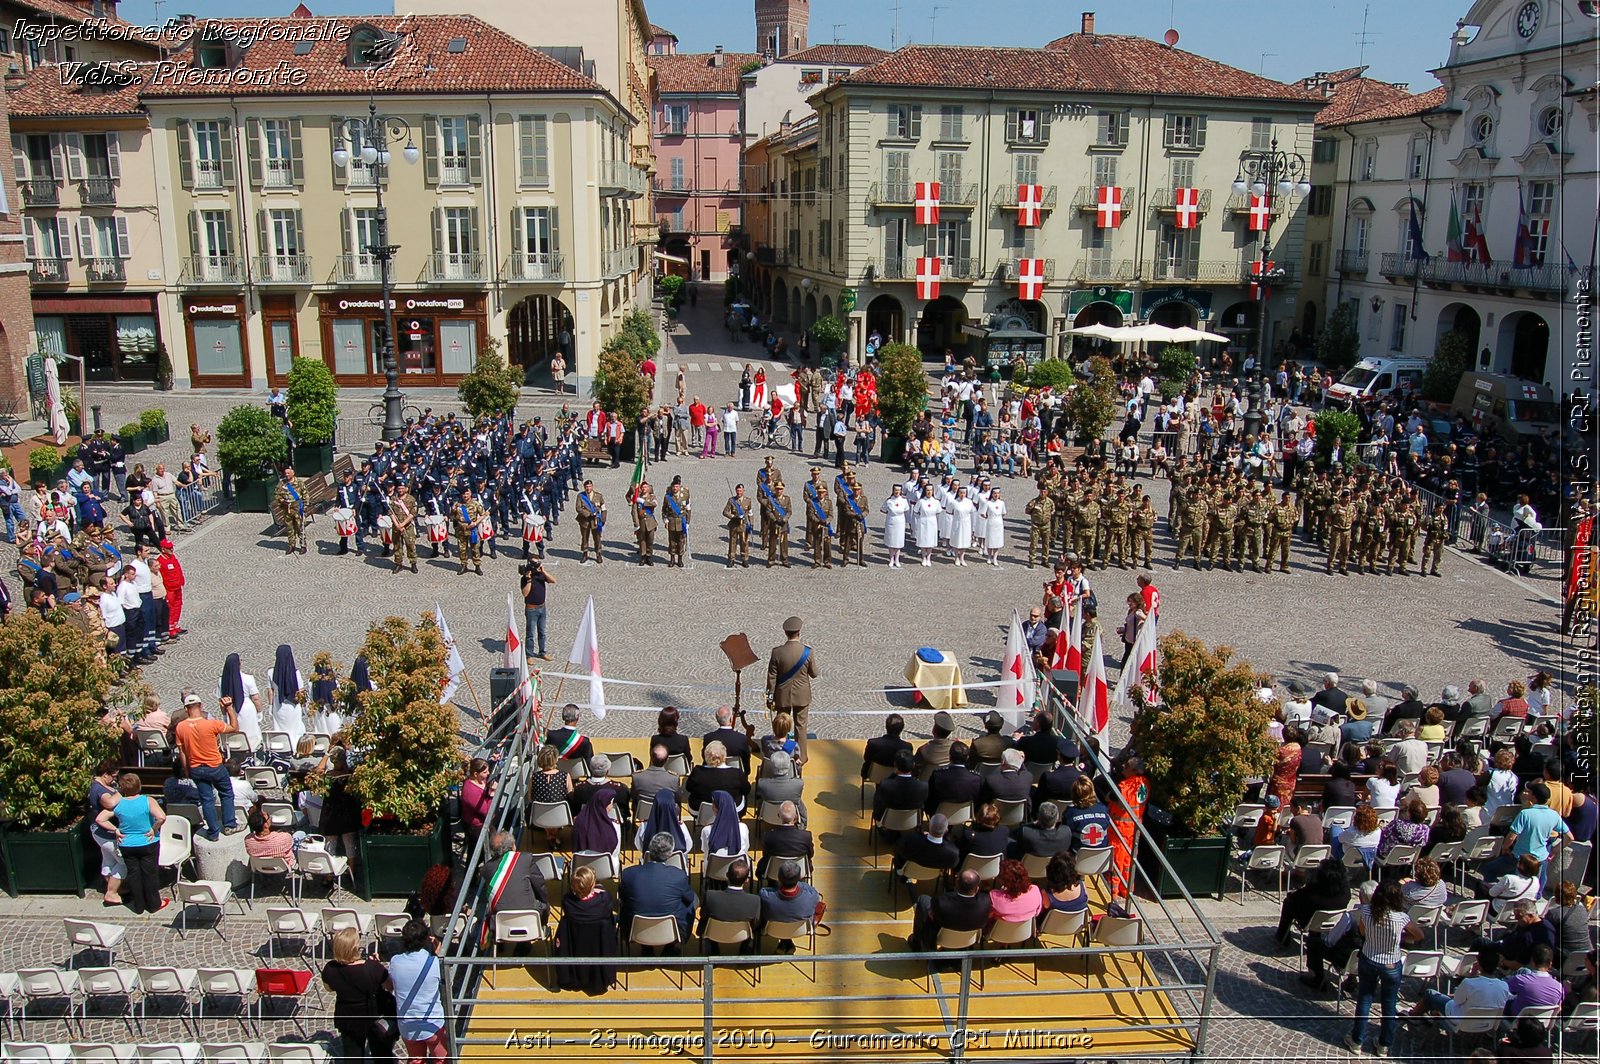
[1014,700]
[1260,214]
[930,272]
[1030,205]
[926,203]
[1030,278]
[1094,699]
[1259,269]
[1108,207]
[1186,204]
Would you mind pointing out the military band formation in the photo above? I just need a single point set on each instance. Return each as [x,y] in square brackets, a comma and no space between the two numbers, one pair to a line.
[445,480]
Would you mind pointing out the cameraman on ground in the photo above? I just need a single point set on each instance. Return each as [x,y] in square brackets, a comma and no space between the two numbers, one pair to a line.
[534,582]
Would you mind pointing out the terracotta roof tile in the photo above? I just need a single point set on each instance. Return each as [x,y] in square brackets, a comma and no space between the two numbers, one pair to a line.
[838,55]
[1403,107]
[70,12]
[1354,95]
[694,72]
[661,31]
[1076,63]
[42,94]
[492,61]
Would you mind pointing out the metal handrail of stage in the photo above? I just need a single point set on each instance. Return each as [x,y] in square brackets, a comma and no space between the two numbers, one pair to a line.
[1190,960]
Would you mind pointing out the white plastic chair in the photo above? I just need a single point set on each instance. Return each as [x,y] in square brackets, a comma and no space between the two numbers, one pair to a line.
[297,1052]
[156,981]
[1338,816]
[225,983]
[279,743]
[653,932]
[168,1052]
[900,820]
[102,1053]
[45,1052]
[207,894]
[1320,922]
[109,984]
[151,741]
[233,1052]
[36,984]
[274,866]
[281,815]
[335,919]
[289,922]
[1261,859]
[176,845]
[1118,931]
[319,864]
[93,934]
[1423,964]
[986,865]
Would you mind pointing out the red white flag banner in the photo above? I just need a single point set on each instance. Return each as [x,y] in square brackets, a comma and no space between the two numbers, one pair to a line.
[1030,278]
[1108,207]
[929,274]
[1186,205]
[1260,214]
[926,203]
[1030,205]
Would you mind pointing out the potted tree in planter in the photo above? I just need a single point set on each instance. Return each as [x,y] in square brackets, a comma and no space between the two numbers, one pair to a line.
[43,462]
[1052,373]
[408,754]
[153,423]
[250,445]
[492,388]
[830,334]
[1206,737]
[313,411]
[621,387]
[163,368]
[902,395]
[1093,404]
[133,438]
[55,685]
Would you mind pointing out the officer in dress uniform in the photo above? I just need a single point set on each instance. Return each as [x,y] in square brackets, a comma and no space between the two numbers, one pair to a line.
[289,509]
[777,510]
[737,514]
[790,670]
[591,515]
[467,515]
[853,501]
[644,522]
[675,512]
[819,520]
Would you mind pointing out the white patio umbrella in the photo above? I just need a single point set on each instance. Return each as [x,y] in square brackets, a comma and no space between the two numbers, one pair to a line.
[1186,335]
[1146,332]
[58,410]
[1097,331]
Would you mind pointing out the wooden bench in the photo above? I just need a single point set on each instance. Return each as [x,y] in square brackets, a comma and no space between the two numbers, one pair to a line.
[342,465]
[593,449]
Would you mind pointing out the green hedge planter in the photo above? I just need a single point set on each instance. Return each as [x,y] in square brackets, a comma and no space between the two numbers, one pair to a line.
[1201,864]
[392,866]
[313,459]
[252,496]
[46,862]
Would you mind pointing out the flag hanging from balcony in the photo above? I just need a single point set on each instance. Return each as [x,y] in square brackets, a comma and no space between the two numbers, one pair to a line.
[1186,206]
[1030,278]
[1030,205]
[1477,244]
[927,203]
[1108,206]
[1522,252]
[1414,232]
[1455,249]
[1258,269]
[929,273]
[1260,214]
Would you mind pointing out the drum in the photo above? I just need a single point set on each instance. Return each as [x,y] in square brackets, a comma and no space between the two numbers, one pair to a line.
[386,529]
[344,521]
[437,532]
[532,530]
[485,530]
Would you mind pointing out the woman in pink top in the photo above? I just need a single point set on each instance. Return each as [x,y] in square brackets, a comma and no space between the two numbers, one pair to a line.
[1014,896]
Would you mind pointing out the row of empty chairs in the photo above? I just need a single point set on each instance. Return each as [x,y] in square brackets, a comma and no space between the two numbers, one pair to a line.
[162,1052]
[189,988]
[154,741]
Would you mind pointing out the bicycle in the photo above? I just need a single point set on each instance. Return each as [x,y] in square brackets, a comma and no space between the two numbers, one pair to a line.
[377,413]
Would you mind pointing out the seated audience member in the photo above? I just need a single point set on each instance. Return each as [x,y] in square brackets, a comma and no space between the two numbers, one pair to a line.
[1015,897]
[1433,728]
[178,787]
[1056,784]
[953,783]
[734,742]
[598,777]
[587,929]
[931,849]
[1045,745]
[265,841]
[1332,949]
[649,782]
[1426,789]
[1087,818]
[667,734]
[596,828]
[1455,780]
[1045,837]
[985,836]
[735,904]
[1450,827]
[1327,888]
[786,841]
[1409,828]
[1519,884]
[782,739]
[988,748]
[1529,1040]
[1570,917]
[1010,784]
[1383,786]
[903,790]
[1483,990]
[655,888]
[792,900]
[779,783]
[1362,834]
[967,908]
[1476,814]
[1425,887]
[515,881]
[1063,886]
[664,819]
[881,750]
[1531,831]
[1535,985]
[1528,931]
[1340,789]
[570,744]
[715,775]
[935,753]
[727,834]
[1304,828]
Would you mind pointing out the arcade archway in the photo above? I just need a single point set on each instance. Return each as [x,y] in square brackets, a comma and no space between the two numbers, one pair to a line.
[940,328]
[1524,345]
[886,318]
[1462,318]
[533,335]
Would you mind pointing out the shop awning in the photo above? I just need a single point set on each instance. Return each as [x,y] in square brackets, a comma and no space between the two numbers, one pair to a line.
[94,305]
[664,257]
[1002,334]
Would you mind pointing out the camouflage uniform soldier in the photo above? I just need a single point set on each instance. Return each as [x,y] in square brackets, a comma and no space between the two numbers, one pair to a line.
[1436,531]
[467,516]
[1192,531]
[1041,513]
[644,522]
[1256,513]
[1220,535]
[1085,519]
[1280,527]
[819,520]
[1340,516]
[1142,532]
[289,509]
[1106,529]
[1116,518]
[1375,535]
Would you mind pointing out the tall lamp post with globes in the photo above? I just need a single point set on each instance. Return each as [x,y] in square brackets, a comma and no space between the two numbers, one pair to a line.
[1268,174]
[373,135]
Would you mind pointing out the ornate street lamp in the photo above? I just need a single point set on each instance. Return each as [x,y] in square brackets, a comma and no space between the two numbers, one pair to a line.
[1267,174]
[375,134]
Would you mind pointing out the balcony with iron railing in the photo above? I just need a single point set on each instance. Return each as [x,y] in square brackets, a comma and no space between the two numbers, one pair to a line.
[1005,198]
[356,269]
[451,266]
[1283,273]
[48,271]
[212,269]
[958,196]
[1096,271]
[1087,199]
[1398,267]
[532,267]
[97,192]
[1008,271]
[889,194]
[283,269]
[1548,278]
[1239,203]
[1221,271]
[41,192]
[1165,200]
[621,178]
[106,271]
[620,261]
[1351,262]
[904,268]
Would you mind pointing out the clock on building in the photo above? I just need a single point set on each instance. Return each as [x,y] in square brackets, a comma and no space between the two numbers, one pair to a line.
[1528,19]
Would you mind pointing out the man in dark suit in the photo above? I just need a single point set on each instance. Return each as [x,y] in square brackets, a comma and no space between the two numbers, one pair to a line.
[792,900]
[1056,785]
[715,775]
[1010,784]
[656,888]
[599,770]
[1409,707]
[932,849]
[733,740]
[965,910]
[991,744]
[1045,837]
[790,670]
[901,791]
[1330,697]
[568,741]
[882,749]
[1044,744]
[787,840]
[935,753]
[955,782]
[520,883]
[735,904]
[647,782]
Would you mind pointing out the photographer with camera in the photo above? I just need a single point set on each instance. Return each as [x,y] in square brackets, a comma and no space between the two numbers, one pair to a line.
[534,582]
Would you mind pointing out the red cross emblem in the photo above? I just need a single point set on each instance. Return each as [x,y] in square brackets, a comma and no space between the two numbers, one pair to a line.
[1186,201]
[929,273]
[1108,207]
[1260,214]
[1030,204]
[927,203]
[1094,835]
[1030,278]
[1530,391]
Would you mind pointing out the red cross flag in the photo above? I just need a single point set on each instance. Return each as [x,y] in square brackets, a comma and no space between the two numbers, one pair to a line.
[1531,391]
[1108,207]
[929,272]
[1260,214]
[1030,278]
[1186,201]
[1030,205]
[927,203]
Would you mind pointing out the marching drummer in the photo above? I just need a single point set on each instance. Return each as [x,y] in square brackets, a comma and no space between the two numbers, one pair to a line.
[433,519]
[344,516]
[533,523]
